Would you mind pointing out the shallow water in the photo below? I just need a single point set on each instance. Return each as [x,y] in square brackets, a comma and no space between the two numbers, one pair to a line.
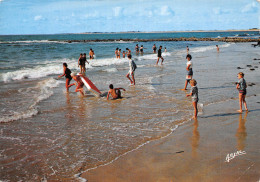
[47,133]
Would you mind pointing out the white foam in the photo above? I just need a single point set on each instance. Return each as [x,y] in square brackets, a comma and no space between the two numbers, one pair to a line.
[55,67]
[44,93]
[208,48]
[30,41]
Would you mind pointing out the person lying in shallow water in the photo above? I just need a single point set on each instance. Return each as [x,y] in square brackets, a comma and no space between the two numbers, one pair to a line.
[115,92]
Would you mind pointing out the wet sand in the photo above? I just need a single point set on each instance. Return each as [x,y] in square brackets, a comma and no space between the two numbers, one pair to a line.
[196,151]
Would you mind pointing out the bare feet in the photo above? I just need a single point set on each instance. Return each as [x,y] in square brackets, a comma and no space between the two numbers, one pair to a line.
[183,89]
[240,111]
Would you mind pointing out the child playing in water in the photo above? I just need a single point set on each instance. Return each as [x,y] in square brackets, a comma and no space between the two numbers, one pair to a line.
[241,86]
[115,92]
[194,96]
[79,84]
[66,73]
[189,70]
[123,54]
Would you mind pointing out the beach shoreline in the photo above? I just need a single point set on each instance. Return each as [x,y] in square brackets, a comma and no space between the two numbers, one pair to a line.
[197,151]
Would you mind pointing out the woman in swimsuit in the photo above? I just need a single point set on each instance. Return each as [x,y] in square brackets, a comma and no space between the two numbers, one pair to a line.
[66,73]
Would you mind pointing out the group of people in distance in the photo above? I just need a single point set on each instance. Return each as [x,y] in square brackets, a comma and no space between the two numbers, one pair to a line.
[124,53]
[116,93]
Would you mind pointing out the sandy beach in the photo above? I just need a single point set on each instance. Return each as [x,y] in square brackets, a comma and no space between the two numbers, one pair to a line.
[198,150]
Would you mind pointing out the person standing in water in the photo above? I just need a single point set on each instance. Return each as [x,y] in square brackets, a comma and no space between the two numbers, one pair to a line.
[137,49]
[187,48]
[159,55]
[116,52]
[217,48]
[80,63]
[142,49]
[84,60]
[154,48]
[91,54]
[189,71]
[66,73]
[131,70]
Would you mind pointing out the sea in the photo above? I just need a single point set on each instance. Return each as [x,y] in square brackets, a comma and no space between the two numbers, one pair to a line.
[47,133]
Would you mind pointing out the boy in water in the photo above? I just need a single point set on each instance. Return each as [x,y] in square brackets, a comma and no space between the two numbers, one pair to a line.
[66,73]
[115,92]
[194,96]
[131,71]
[91,54]
[159,55]
[79,84]
[241,86]
[123,54]
[189,71]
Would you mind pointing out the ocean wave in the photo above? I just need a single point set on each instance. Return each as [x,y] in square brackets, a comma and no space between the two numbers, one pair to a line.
[55,67]
[42,91]
[207,48]
[30,41]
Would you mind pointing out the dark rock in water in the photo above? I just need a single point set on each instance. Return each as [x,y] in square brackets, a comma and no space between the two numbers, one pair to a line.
[250,84]
[249,65]
[239,68]
[252,69]
[255,66]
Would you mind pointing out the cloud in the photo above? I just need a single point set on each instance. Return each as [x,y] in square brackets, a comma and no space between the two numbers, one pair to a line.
[166,11]
[38,17]
[250,8]
[117,11]
[220,11]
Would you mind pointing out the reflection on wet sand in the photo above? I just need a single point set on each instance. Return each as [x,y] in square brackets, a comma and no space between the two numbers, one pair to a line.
[195,139]
[241,132]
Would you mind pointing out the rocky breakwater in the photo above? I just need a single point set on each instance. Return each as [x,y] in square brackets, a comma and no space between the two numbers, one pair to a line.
[223,39]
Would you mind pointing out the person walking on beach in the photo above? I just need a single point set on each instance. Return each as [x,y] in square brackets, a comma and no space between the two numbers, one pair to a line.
[79,84]
[154,48]
[66,73]
[131,70]
[91,54]
[217,48]
[159,55]
[84,60]
[194,96]
[189,71]
[115,92]
[241,86]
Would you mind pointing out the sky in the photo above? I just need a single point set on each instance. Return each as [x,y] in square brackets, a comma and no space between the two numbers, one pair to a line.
[78,16]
